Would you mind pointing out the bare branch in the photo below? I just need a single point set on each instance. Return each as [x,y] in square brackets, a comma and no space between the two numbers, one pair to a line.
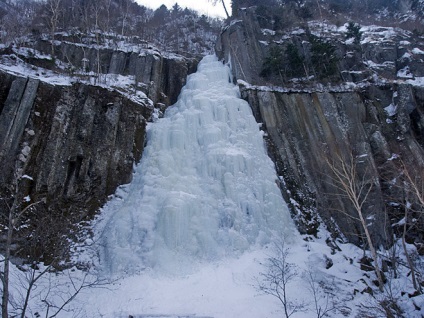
[214,2]
[324,301]
[275,280]
[357,190]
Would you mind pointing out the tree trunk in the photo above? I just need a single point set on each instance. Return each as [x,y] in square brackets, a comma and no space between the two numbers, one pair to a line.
[371,247]
[6,269]
[345,178]
[28,293]
[225,9]
[408,258]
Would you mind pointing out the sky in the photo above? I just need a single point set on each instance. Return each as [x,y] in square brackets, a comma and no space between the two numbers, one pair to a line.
[203,6]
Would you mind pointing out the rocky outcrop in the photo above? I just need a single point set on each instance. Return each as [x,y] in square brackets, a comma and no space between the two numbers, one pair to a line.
[160,76]
[74,144]
[240,45]
[381,53]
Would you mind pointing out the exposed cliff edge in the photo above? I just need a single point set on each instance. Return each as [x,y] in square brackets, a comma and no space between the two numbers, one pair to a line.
[75,144]
[369,111]
[159,75]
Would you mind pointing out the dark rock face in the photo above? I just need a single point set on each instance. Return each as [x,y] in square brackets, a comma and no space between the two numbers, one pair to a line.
[76,143]
[309,131]
[377,125]
[240,45]
[15,114]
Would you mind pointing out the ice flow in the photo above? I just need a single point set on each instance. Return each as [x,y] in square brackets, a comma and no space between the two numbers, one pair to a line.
[204,189]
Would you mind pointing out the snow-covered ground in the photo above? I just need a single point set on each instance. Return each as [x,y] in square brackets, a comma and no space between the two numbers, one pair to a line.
[226,288]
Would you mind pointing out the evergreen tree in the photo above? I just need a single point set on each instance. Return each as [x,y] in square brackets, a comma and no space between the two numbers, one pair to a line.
[274,62]
[323,57]
[295,61]
[354,31]
[176,10]
[160,15]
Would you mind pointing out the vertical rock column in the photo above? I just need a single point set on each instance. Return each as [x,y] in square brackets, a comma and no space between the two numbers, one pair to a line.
[13,119]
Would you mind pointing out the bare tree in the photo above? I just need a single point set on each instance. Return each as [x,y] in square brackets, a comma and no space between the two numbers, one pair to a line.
[413,186]
[106,22]
[17,214]
[214,2]
[68,292]
[356,189]
[54,296]
[406,196]
[32,277]
[96,13]
[125,11]
[58,289]
[12,220]
[275,280]
[383,305]
[14,27]
[54,10]
[324,302]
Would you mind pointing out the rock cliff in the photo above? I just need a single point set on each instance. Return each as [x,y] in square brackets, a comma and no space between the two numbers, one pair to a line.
[78,141]
[74,143]
[308,132]
[64,149]
[368,114]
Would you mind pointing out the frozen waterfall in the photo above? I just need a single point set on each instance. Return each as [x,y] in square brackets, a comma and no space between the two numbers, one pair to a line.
[204,189]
